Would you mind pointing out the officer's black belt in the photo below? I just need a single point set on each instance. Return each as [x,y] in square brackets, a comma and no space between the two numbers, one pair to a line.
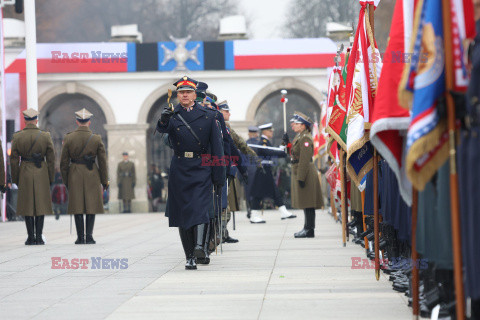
[188,154]
[80,161]
[25,159]
[294,161]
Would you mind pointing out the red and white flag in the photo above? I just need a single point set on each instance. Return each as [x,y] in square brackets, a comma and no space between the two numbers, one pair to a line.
[389,119]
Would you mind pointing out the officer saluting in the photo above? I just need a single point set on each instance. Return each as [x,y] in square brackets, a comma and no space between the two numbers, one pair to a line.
[126,182]
[30,148]
[83,178]
[193,130]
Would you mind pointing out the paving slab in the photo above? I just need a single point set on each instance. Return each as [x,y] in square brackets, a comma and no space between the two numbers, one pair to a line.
[267,275]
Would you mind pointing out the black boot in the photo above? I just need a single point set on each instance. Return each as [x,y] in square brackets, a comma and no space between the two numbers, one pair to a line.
[30,223]
[39,229]
[309,226]
[188,243]
[90,222]
[80,229]
[201,232]
[206,260]
[211,237]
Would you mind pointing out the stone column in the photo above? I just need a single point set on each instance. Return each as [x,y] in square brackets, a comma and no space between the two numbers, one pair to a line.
[132,139]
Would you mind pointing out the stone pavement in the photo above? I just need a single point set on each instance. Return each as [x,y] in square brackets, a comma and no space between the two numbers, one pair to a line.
[267,275]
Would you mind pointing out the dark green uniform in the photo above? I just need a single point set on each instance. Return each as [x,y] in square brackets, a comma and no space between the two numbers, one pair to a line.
[33,179]
[85,193]
[126,183]
[83,177]
[303,169]
[32,165]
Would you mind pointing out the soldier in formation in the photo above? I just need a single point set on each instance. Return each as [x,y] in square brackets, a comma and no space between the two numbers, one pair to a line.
[84,171]
[32,164]
[126,182]
[305,185]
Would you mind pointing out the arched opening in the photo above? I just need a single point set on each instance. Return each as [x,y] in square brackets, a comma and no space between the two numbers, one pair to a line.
[271,110]
[158,153]
[57,117]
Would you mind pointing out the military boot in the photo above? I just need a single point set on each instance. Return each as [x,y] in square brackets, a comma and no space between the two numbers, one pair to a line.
[39,229]
[90,222]
[201,232]
[80,229]
[30,223]
[308,229]
[188,243]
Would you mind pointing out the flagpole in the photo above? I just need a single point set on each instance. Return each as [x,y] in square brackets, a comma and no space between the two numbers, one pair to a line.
[454,198]
[284,101]
[415,274]
[343,194]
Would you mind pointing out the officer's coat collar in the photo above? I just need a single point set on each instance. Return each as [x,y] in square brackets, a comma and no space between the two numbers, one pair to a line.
[31,126]
[196,112]
[83,128]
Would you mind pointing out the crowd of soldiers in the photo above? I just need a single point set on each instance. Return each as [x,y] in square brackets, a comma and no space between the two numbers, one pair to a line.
[209,154]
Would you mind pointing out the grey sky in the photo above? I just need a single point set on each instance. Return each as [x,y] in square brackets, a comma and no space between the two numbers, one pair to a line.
[265,16]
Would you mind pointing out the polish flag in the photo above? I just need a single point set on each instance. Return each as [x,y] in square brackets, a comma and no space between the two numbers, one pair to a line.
[283,53]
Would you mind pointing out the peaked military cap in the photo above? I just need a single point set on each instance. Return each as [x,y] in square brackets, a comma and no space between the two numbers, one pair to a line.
[83,115]
[212,96]
[201,91]
[303,119]
[294,118]
[30,114]
[185,84]
[266,126]
[253,129]
[124,153]
[224,105]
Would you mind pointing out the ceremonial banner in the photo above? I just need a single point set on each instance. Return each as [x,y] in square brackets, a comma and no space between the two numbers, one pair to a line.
[389,119]
[337,97]
[424,78]
[363,71]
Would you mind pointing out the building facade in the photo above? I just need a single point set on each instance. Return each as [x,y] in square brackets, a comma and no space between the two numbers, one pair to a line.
[125,86]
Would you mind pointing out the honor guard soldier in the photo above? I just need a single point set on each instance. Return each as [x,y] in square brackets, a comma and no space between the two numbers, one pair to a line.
[126,182]
[32,164]
[82,176]
[193,131]
[264,185]
[305,185]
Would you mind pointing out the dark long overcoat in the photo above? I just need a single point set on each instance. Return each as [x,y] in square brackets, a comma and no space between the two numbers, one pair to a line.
[191,180]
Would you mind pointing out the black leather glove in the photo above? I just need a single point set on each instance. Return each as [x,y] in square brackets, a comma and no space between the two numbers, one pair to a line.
[167,113]
[285,139]
[301,184]
[3,189]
